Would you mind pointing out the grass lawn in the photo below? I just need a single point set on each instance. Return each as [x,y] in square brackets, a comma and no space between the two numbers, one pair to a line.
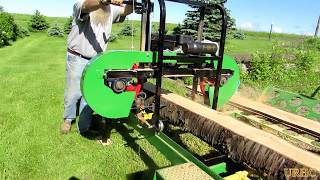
[258,41]
[32,74]
[23,19]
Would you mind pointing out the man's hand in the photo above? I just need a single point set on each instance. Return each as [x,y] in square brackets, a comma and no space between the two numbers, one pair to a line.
[128,9]
[92,5]
[116,2]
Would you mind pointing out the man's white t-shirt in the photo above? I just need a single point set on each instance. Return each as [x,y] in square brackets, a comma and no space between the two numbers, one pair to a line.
[88,38]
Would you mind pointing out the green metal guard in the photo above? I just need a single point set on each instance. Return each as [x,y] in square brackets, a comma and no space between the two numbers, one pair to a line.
[105,102]
[295,103]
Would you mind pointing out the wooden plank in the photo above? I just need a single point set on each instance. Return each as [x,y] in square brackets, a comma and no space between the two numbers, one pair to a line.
[262,151]
[296,139]
[303,123]
[275,143]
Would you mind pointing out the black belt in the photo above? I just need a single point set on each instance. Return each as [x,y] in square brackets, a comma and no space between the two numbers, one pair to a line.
[77,54]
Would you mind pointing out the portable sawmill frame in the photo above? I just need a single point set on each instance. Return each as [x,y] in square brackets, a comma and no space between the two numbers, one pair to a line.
[107,85]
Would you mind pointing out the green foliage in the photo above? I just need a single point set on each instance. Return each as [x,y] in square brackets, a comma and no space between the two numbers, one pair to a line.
[155,28]
[311,43]
[38,22]
[55,30]
[128,30]
[24,20]
[266,68]
[68,25]
[23,32]
[287,67]
[187,80]
[113,37]
[8,25]
[177,29]
[305,60]
[239,35]
[212,22]
[4,39]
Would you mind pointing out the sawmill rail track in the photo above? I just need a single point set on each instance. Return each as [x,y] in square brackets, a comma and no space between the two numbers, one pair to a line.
[298,123]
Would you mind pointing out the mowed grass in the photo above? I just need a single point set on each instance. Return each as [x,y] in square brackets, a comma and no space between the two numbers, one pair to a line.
[32,73]
[259,41]
[23,19]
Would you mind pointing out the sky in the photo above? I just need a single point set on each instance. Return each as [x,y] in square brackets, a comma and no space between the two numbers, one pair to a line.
[288,16]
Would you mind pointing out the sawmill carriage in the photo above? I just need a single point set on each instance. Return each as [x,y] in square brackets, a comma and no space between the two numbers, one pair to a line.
[119,76]
[115,83]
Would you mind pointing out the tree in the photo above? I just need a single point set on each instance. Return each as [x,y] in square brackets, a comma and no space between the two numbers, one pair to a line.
[127,30]
[177,29]
[38,22]
[8,25]
[212,22]
[68,25]
[55,30]
[1,9]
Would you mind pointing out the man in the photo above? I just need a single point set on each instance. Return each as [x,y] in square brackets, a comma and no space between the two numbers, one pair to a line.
[91,29]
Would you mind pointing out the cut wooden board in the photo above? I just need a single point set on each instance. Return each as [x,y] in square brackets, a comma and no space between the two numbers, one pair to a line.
[283,132]
[243,143]
[298,155]
[305,124]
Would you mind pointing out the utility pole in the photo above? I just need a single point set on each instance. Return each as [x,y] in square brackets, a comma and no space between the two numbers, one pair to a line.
[270,30]
[317,29]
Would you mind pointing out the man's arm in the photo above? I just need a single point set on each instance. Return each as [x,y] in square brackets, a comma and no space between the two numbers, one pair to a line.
[128,9]
[91,5]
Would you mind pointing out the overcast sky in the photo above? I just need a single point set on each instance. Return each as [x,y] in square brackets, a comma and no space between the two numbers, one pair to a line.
[288,16]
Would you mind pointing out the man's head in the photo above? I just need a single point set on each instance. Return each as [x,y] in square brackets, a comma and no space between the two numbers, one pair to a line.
[100,16]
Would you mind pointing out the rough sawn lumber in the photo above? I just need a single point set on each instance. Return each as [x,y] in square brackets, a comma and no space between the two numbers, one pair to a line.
[307,125]
[264,152]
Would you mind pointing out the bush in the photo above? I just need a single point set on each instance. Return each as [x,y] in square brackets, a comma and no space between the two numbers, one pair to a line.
[113,37]
[8,25]
[55,30]
[155,29]
[305,60]
[311,43]
[38,22]
[127,30]
[291,68]
[187,80]
[239,35]
[68,25]
[4,39]
[23,32]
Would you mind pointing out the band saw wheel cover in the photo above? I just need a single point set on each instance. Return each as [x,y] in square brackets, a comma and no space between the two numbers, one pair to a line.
[105,102]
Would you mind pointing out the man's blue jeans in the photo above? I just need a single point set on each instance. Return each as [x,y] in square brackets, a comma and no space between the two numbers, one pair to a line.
[72,93]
